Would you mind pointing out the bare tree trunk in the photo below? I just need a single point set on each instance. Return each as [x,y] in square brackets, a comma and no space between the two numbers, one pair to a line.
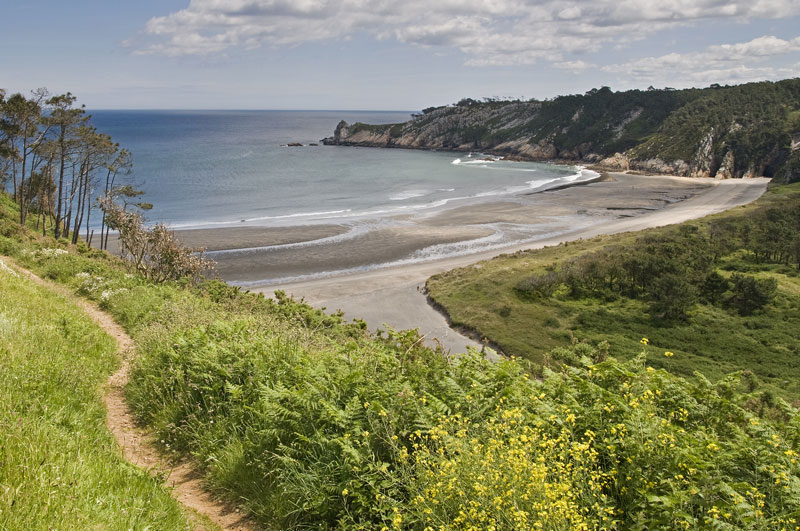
[21,199]
[68,217]
[104,244]
[88,203]
[14,174]
[84,184]
[108,232]
[60,182]
[44,222]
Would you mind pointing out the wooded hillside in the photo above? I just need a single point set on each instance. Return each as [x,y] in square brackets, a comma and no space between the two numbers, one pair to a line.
[737,131]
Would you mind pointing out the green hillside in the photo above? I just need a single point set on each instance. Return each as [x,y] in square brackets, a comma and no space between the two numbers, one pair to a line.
[731,131]
[60,468]
[310,422]
[722,293]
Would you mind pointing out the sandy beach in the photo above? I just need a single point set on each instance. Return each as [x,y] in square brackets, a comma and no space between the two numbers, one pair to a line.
[393,296]
[376,270]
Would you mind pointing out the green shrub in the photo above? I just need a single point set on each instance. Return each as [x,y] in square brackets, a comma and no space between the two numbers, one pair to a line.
[538,286]
[751,294]
[672,296]
[9,246]
[714,288]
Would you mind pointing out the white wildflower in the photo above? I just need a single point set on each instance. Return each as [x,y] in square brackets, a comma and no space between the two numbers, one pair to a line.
[7,269]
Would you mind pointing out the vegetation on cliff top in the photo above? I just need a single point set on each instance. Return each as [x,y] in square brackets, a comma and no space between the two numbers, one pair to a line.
[308,421]
[733,131]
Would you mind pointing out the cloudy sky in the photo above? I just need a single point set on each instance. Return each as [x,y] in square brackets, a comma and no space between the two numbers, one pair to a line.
[381,54]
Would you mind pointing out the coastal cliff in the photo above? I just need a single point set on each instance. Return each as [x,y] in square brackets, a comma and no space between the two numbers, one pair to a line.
[726,132]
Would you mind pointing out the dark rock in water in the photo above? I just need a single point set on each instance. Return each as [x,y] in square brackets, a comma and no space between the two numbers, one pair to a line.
[342,132]
[294,144]
[313,144]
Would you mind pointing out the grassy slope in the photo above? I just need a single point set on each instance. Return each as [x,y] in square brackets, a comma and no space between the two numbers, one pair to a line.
[59,466]
[314,423]
[714,341]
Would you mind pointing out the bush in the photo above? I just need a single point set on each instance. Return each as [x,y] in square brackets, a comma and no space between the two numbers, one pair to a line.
[8,246]
[539,286]
[672,296]
[155,253]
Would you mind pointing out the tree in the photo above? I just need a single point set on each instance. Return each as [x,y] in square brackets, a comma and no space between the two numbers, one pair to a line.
[25,132]
[5,146]
[672,296]
[54,158]
[120,163]
[714,287]
[65,119]
[94,151]
[750,293]
[155,253]
[41,188]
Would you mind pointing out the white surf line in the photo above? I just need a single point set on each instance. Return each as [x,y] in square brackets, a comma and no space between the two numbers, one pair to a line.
[354,232]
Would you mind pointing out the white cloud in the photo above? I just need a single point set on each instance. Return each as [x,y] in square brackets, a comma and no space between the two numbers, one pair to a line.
[725,63]
[576,67]
[488,32]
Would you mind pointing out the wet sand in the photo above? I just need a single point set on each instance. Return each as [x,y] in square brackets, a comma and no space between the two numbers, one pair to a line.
[246,237]
[426,236]
[374,247]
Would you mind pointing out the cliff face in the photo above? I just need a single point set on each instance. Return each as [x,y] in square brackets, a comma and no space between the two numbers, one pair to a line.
[725,132]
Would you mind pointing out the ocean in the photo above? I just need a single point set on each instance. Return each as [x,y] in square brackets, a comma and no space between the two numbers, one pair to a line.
[220,168]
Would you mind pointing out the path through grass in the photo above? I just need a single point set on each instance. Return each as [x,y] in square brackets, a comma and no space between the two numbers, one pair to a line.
[59,466]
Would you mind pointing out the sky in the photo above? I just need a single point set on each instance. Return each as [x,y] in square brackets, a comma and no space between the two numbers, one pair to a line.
[381,54]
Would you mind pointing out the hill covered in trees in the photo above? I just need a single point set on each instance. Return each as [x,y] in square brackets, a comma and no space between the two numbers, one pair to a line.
[732,131]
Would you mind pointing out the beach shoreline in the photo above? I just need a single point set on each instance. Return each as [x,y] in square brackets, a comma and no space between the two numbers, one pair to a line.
[376,269]
[491,225]
[394,296]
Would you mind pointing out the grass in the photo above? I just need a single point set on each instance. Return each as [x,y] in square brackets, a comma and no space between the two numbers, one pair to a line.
[60,468]
[713,340]
[312,423]
[482,299]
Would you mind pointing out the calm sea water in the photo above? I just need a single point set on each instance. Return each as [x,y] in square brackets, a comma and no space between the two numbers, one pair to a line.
[211,168]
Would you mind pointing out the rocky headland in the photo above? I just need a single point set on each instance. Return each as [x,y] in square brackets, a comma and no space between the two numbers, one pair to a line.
[742,131]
